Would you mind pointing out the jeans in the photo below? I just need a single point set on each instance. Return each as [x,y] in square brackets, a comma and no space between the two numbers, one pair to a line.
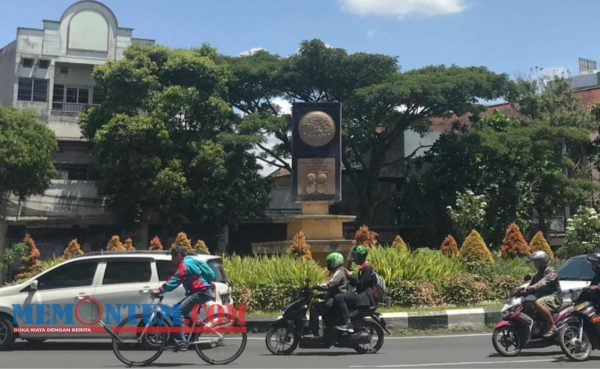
[185,308]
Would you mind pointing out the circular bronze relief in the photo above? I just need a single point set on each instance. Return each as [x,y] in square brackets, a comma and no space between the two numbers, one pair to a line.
[316,129]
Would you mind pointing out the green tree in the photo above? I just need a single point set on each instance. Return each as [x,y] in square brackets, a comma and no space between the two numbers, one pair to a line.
[26,148]
[167,143]
[374,94]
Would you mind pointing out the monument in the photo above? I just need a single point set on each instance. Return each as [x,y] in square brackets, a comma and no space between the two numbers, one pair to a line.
[316,181]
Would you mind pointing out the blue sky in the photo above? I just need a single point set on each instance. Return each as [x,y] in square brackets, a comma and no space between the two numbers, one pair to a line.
[508,36]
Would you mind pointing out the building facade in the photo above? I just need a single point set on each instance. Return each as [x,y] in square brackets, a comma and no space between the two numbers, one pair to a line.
[49,70]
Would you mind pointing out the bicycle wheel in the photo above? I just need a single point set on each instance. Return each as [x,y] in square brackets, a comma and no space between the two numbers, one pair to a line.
[136,344]
[220,346]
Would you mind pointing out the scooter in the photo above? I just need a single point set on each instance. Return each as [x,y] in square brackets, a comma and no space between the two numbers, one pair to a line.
[289,332]
[521,327]
[581,333]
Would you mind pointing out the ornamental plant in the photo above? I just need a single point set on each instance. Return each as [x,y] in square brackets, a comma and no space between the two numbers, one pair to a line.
[364,236]
[201,247]
[155,244]
[399,244]
[583,233]
[539,243]
[514,244]
[182,240]
[475,249]
[299,247]
[468,212]
[115,244]
[129,245]
[449,247]
[30,263]
[73,249]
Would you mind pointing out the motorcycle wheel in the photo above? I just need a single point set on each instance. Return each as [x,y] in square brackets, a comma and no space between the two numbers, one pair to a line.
[505,338]
[375,333]
[281,340]
[569,343]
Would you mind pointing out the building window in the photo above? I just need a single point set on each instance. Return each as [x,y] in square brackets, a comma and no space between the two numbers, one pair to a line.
[70,95]
[74,172]
[44,64]
[27,62]
[32,89]
[64,70]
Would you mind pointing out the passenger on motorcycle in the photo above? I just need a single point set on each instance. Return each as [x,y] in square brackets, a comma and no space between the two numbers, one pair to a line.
[546,287]
[594,259]
[363,282]
[338,283]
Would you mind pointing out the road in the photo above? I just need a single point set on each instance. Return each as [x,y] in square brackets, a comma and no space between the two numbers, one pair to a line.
[455,351]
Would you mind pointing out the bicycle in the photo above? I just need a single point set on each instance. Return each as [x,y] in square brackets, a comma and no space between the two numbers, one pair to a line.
[136,342]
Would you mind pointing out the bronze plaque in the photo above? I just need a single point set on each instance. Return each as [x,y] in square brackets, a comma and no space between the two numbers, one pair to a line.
[316,176]
[316,129]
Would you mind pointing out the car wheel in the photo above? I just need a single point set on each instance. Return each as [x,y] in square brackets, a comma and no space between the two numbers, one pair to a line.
[7,336]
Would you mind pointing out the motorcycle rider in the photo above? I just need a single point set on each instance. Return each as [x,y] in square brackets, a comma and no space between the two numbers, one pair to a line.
[363,282]
[546,287]
[594,260]
[338,283]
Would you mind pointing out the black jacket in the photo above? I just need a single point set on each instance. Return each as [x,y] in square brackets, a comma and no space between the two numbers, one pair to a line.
[363,283]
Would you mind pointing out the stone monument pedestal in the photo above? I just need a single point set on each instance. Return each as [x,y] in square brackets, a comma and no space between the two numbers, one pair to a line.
[323,232]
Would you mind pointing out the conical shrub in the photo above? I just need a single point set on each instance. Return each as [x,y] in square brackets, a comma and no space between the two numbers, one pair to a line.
[364,236]
[475,249]
[155,244]
[539,243]
[30,263]
[200,247]
[514,244]
[129,245]
[182,240]
[449,247]
[73,249]
[299,247]
[114,244]
[399,244]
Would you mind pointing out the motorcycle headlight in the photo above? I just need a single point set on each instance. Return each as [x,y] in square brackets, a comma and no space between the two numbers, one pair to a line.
[509,310]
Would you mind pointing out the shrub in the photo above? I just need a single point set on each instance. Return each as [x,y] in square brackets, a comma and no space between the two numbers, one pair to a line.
[155,244]
[463,289]
[10,257]
[128,245]
[299,247]
[73,249]
[449,247]
[366,237]
[539,243]
[468,212]
[30,263]
[500,285]
[182,240]
[413,293]
[399,244]
[115,244]
[474,249]
[201,247]
[421,264]
[513,244]
[583,233]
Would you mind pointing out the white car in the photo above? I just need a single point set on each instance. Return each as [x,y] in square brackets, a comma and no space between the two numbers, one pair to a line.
[112,278]
[575,274]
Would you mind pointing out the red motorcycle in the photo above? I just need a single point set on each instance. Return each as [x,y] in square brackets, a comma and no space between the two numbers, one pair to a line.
[521,326]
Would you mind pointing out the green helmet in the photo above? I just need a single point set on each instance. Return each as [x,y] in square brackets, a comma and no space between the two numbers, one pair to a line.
[334,260]
[359,254]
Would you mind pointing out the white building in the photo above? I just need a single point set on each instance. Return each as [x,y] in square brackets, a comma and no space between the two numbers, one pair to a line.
[49,70]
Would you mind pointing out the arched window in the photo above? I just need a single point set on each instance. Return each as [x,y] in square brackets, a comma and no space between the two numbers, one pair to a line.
[88,30]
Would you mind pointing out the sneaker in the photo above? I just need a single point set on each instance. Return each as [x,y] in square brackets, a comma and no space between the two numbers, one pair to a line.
[180,348]
[551,333]
[345,328]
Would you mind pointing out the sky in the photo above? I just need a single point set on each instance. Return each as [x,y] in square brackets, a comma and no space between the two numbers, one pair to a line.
[508,36]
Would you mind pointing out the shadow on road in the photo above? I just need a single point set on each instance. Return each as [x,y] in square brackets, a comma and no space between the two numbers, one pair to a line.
[59,346]
[530,353]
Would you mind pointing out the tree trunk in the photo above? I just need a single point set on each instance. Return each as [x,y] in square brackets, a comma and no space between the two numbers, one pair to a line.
[142,237]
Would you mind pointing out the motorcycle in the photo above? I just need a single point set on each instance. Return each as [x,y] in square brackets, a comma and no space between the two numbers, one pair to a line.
[581,335]
[521,326]
[289,332]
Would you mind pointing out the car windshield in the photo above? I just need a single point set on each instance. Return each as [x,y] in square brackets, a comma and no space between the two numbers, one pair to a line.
[576,269]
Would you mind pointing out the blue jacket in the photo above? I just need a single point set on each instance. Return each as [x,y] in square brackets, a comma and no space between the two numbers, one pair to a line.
[194,273]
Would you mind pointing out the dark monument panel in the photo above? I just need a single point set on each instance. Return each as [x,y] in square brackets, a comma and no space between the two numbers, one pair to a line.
[316,152]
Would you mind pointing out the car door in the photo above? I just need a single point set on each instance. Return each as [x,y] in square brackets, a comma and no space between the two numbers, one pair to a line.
[124,282]
[65,286]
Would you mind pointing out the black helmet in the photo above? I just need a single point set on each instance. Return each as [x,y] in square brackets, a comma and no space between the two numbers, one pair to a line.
[179,250]
[593,257]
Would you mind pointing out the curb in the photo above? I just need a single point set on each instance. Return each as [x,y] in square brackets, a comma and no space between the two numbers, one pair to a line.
[443,319]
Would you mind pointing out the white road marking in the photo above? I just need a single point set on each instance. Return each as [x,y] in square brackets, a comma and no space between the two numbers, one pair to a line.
[453,364]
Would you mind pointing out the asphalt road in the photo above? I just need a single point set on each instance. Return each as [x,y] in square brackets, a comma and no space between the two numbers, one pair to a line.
[455,351]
